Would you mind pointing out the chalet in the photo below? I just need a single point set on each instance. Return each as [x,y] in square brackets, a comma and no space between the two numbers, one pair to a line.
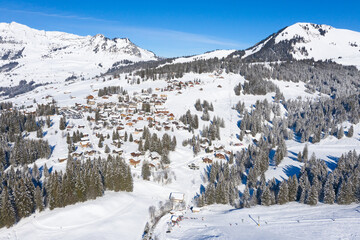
[134,162]
[219,86]
[85,144]
[90,102]
[167,128]
[152,165]
[62,159]
[119,152]
[90,97]
[90,153]
[207,160]
[217,148]
[76,154]
[220,156]
[135,154]
[176,197]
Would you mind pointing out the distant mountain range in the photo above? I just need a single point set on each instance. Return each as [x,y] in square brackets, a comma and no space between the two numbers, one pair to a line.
[46,56]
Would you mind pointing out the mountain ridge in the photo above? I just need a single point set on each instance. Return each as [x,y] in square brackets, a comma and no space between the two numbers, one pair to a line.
[58,55]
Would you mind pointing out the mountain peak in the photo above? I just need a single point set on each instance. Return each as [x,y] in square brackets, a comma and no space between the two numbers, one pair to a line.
[308,40]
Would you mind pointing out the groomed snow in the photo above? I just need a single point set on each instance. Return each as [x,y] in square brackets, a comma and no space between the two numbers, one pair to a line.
[278,222]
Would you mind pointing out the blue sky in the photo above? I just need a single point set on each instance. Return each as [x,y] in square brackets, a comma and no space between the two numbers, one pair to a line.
[177,28]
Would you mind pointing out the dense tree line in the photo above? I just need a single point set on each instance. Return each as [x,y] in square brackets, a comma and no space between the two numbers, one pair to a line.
[15,122]
[27,190]
[47,109]
[6,105]
[112,90]
[23,87]
[314,184]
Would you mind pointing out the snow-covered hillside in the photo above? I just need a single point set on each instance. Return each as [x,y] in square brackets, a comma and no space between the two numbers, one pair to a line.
[290,221]
[306,41]
[101,111]
[208,55]
[45,56]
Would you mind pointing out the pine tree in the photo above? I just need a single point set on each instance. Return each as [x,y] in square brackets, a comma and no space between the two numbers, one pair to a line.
[107,149]
[100,144]
[305,154]
[131,138]
[126,136]
[350,132]
[39,204]
[266,197]
[210,194]
[299,157]
[62,123]
[314,196]
[246,197]
[231,158]
[329,192]
[48,121]
[340,133]
[39,133]
[283,196]
[293,188]
[8,216]
[145,171]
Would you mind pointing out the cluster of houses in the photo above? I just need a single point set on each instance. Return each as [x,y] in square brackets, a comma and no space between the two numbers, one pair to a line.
[125,113]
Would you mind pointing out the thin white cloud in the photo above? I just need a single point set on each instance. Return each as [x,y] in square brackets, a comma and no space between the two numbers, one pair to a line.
[163,33]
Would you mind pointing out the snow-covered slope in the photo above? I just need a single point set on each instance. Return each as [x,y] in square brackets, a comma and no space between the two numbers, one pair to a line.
[205,56]
[306,41]
[43,56]
[290,221]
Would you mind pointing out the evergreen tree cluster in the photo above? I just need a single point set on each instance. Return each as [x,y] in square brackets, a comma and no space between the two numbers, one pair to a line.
[27,151]
[314,184]
[153,143]
[237,89]
[112,90]
[318,119]
[6,105]
[212,132]
[22,191]
[46,109]
[15,122]
[221,188]
[191,120]
[204,106]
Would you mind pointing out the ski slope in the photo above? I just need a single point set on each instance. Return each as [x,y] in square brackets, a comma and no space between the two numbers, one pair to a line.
[278,222]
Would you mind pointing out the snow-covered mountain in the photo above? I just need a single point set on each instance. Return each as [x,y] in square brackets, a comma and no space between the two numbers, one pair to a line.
[306,41]
[45,56]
